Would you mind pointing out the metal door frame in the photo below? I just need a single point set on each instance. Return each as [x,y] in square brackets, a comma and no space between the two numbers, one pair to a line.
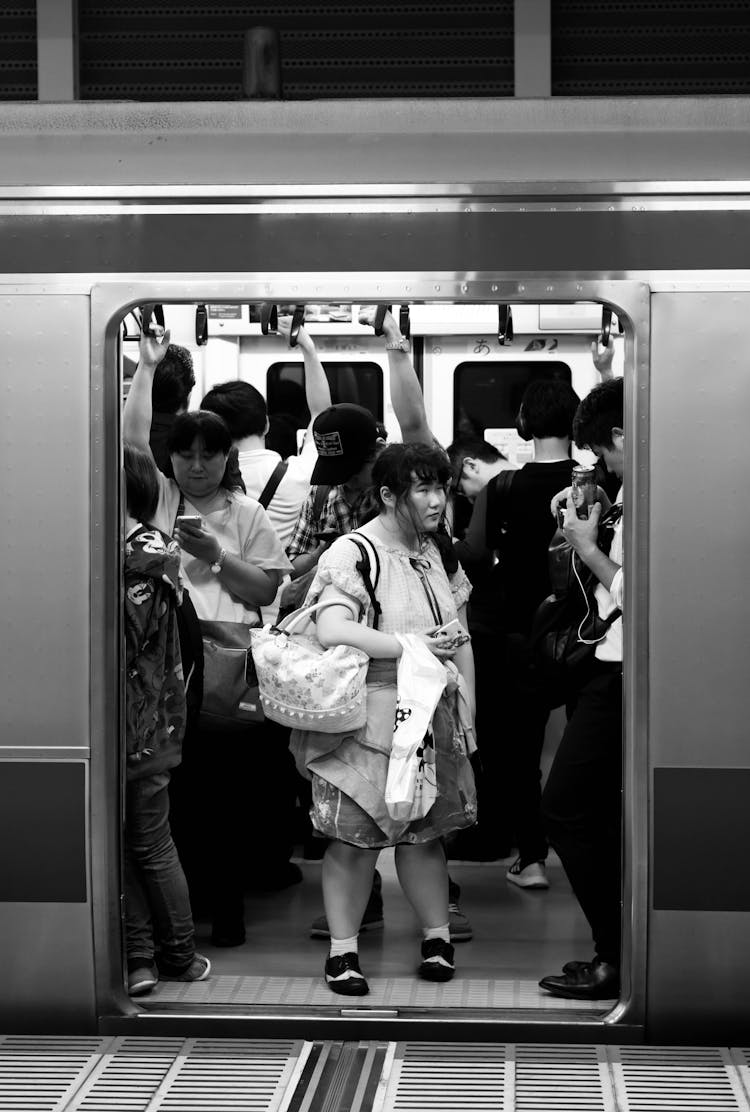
[109,301]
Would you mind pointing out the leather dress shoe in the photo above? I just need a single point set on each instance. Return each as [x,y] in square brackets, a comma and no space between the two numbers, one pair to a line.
[595,980]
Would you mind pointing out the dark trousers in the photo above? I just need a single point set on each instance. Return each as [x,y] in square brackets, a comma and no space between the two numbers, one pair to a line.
[157,905]
[582,805]
[511,719]
[234,809]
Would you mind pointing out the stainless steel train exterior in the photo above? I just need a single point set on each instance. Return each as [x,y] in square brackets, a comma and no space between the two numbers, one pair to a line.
[640,205]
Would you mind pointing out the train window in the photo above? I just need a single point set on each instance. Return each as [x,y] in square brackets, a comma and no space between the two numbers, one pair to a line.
[488,395]
[360,382]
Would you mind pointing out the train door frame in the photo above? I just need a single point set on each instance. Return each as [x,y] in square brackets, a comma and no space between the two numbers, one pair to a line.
[110,301]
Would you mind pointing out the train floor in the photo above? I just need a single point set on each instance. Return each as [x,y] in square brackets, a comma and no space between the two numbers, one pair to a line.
[519,936]
[141,1074]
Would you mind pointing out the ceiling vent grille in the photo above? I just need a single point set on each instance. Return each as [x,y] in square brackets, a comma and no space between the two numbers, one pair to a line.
[18,67]
[193,50]
[650,47]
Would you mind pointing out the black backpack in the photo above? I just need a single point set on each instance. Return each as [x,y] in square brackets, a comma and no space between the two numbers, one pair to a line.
[567,628]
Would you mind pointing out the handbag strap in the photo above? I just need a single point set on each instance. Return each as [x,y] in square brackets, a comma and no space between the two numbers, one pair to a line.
[291,621]
[278,473]
[363,567]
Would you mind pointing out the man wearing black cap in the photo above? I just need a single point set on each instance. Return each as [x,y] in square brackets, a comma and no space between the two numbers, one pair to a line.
[347,442]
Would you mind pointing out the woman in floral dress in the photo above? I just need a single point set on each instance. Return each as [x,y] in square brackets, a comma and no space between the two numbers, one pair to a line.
[349,770]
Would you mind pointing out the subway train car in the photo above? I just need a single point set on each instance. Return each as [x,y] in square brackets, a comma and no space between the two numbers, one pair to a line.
[556,209]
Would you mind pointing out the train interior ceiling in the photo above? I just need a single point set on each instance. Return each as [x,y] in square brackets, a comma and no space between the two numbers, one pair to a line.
[473,375]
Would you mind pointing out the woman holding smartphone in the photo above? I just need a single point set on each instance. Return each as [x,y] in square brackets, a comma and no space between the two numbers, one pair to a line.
[349,771]
[232,563]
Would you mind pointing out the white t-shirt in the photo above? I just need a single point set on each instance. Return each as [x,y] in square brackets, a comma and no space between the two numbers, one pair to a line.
[257,466]
[243,529]
[610,648]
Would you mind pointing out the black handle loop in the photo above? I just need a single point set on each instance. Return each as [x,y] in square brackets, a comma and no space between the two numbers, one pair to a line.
[147,313]
[201,325]
[606,326]
[504,325]
[298,319]
[380,312]
[269,318]
[404,321]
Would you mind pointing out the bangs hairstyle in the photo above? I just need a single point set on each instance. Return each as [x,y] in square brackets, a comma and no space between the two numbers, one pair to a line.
[141,483]
[599,413]
[240,405]
[398,465]
[211,429]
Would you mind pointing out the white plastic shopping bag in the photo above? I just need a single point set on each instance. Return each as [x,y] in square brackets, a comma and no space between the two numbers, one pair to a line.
[411,788]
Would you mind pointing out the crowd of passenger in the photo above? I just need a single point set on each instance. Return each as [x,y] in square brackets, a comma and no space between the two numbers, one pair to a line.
[221,528]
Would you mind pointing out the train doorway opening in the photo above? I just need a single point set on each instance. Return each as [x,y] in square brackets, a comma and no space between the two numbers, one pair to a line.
[472,379]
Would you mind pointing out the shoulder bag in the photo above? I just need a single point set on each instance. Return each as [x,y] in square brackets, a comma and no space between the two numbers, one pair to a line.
[304,685]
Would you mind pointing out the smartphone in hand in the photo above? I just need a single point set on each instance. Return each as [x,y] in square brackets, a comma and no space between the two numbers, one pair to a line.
[190,519]
[451,628]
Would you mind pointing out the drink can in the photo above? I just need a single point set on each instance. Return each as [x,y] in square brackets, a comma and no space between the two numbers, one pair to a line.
[583,489]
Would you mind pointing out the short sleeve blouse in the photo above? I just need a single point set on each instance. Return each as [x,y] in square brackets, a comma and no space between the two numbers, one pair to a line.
[400,589]
[243,529]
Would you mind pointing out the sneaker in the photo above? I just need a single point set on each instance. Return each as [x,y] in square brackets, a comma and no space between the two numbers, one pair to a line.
[437,960]
[459,924]
[142,977]
[198,970]
[528,876]
[372,920]
[344,976]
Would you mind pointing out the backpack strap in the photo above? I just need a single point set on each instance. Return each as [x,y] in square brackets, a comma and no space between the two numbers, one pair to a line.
[271,486]
[363,567]
[319,500]
[497,505]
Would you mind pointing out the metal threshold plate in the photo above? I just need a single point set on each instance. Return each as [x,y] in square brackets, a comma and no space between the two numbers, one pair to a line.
[389,993]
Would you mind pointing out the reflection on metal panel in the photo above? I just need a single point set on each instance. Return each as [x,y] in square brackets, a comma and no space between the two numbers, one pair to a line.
[701,815]
[43,819]
[699,529]
[521,242]
[44,439]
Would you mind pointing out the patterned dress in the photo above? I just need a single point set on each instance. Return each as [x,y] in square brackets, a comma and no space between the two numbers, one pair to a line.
[349,770]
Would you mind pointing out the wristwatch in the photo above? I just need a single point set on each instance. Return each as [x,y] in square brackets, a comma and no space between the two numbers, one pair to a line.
[398,345]
[218,563]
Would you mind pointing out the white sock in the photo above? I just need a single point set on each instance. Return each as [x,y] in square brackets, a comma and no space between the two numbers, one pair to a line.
[443,932]
[343,946]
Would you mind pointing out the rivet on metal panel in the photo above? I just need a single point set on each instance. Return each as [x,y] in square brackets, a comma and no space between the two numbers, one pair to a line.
[437,289]
[521,289]
[468,208]
[464,288]
[494,287]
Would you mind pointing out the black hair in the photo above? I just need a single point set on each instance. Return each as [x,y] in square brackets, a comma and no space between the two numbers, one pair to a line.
[282,434]
[599,413]
[141,483]
[240,405]
[173,381]
[397,464]
[472,447]
[211,429]
[548,407]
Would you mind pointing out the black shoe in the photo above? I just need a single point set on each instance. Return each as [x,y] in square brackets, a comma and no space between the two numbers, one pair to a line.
[595,980]
[344,976]
[440,967]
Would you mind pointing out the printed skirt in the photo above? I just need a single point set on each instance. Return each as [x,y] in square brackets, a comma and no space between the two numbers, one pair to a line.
[349,772]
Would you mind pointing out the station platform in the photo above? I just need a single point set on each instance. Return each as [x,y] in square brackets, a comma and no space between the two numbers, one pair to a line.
[136,1074]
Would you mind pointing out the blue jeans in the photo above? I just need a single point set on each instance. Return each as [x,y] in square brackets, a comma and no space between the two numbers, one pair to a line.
[157,904]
